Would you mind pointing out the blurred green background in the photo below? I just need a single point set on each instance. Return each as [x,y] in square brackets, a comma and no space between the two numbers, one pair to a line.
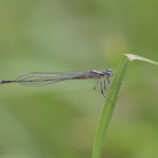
[67,35]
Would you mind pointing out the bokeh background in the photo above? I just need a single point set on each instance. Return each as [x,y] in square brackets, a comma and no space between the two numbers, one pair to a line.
[65,35]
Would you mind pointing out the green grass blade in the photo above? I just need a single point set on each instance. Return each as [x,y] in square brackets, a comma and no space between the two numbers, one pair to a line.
[136,57]
[109,106]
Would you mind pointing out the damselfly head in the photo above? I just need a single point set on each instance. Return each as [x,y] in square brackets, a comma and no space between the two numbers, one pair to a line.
[109,72]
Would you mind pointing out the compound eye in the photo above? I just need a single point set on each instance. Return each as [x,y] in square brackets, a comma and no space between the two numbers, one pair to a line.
[109,70]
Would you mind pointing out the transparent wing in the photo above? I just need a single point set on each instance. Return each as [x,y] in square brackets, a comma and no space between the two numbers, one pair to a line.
[42,79]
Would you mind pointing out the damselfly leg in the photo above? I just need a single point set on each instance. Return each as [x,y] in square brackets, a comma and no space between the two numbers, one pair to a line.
[104,84]
[102,87]
[108,81]
[95,87]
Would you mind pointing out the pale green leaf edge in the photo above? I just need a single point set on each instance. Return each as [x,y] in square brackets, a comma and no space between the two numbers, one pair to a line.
[109,106]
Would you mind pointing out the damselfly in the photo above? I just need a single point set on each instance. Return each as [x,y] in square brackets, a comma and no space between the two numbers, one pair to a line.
[42,79]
